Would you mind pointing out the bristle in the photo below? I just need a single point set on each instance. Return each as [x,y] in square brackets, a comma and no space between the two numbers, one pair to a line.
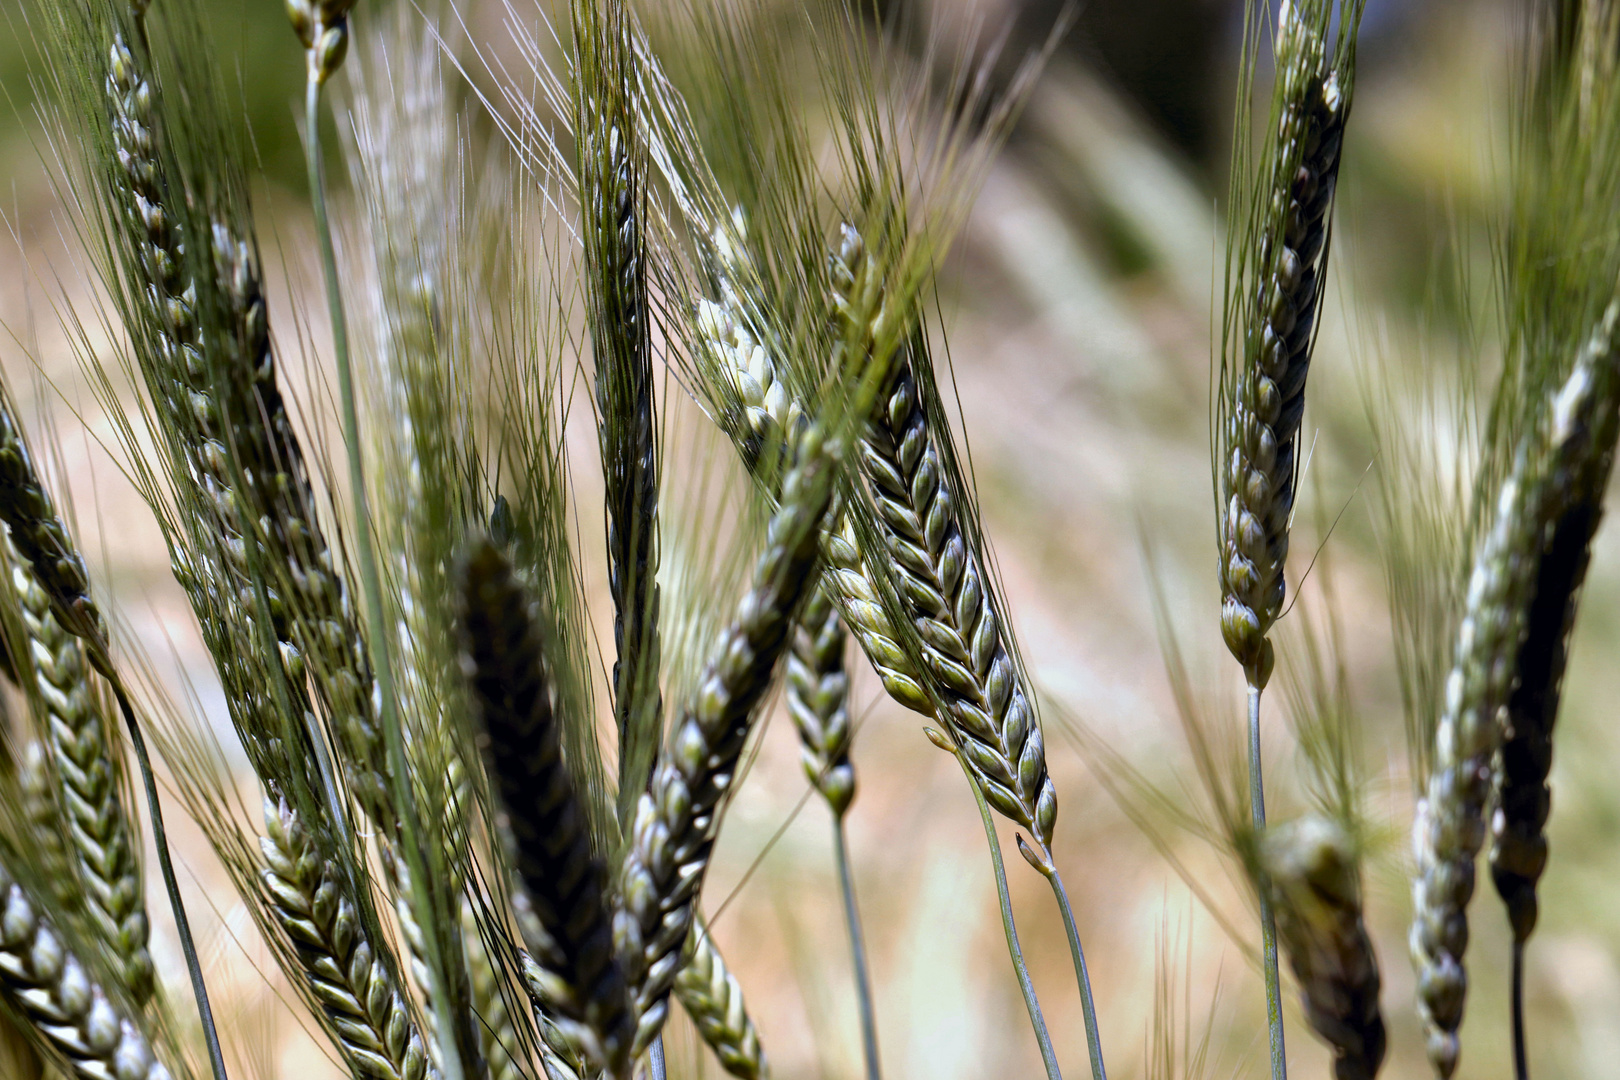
[713,998]
[674,827]
[78,731]
[1312,876]
[89,1032]
[564,884]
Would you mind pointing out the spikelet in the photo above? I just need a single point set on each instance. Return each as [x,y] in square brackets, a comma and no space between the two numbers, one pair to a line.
[1310,872]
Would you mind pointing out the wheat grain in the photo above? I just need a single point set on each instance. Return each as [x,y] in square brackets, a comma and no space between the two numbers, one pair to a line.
[940,580]
[1258,432]
[674,827]
[563,908]
[713,998]
[1309,869]
[375,1030]
[89,790]
[45,983]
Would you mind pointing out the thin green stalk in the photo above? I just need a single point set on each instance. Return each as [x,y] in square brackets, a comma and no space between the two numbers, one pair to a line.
[857,946]
[1521,1058]
[171,884]
[1268,922]
[393,736]
[1088,1007]
[1014,950]
[655,1059]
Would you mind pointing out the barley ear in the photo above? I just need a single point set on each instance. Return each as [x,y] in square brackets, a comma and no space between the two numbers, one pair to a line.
[713,998]
[675,824]
[1310,871]
[562,905]
[43,982]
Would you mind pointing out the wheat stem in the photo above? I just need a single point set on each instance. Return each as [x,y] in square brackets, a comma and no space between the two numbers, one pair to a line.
[1268,922]
[857,948]
[1009,928]
[1088,1007]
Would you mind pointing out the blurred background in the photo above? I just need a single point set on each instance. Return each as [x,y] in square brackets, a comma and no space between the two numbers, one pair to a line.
[1080,303]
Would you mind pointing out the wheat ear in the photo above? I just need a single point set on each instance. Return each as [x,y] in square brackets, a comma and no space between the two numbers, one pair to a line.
[1310,871]
[763,412]
[37,786]
[497,1032]
[713,998]
[675,823]
[940,580]
[563,906]
[1266,398]
[1449,828]
[49,986]
[88,784]
[376,1032]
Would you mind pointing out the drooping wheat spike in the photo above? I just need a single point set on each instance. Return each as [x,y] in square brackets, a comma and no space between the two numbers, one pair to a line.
[940,578]
[713,998]
[568,921]
[613,210]
[89,783]
[376,1033]
[1276,263]
[1450,828]
[818,700]
[675,824]
[1312,875]
[42,981]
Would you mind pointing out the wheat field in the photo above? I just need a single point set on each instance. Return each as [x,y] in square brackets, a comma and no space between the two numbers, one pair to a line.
[1083,326]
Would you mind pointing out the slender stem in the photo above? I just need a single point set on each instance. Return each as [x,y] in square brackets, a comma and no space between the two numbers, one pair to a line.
[1048,1055]
[857,947]
[160,837]
[1521,1059]
[1088,1007]
[1268,922]
[382,664]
